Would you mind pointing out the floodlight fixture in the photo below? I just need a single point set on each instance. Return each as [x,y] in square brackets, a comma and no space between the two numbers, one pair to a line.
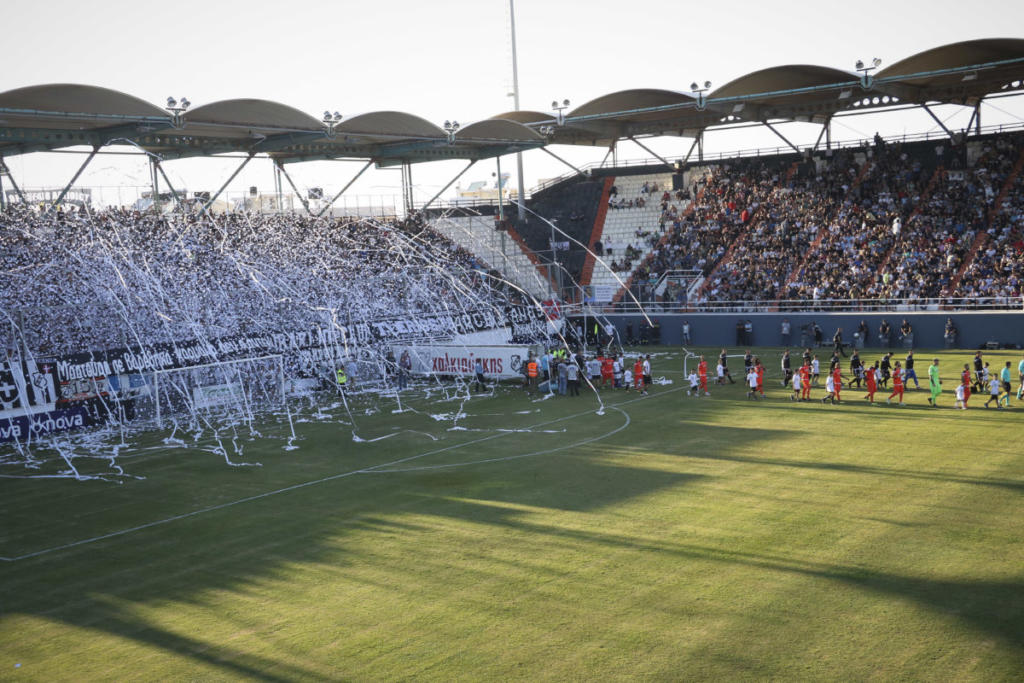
[865,71]
[560,110]
[177,108]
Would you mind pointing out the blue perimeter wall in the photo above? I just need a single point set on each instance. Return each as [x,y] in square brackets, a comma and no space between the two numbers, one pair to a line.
[719,329]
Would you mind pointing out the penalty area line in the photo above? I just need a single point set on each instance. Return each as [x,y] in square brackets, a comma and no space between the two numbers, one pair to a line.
[295,487]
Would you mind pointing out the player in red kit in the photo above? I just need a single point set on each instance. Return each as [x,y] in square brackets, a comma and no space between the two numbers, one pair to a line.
[702,373]
[805,382]
[870,380]
[607,372]
[837,382]
[965,380]
[897,384]
[638,376]
[759,369]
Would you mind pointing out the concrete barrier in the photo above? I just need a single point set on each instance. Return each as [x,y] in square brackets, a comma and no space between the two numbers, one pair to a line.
[976,328]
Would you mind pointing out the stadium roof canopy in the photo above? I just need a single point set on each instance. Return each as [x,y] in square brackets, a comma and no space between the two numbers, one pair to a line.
[960,73]
[58,116]
[47,117]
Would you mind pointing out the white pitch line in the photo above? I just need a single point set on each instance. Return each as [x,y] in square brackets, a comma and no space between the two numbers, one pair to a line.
[512,457]
[342,475]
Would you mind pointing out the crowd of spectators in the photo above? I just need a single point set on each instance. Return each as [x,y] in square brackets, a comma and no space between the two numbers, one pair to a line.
[888,221]
[724,202]
[79,282]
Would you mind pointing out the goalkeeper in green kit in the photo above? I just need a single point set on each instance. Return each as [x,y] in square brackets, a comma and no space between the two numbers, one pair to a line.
[934,383]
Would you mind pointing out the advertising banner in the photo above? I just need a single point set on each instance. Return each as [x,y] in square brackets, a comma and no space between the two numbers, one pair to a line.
[498,362]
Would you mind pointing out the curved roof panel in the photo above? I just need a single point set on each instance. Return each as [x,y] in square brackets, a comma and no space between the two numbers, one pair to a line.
[525,116]
[956,55]
[74,106]
[625,100]
[252,113]
[499,129]
[389,124]
[780,78]
[957,87]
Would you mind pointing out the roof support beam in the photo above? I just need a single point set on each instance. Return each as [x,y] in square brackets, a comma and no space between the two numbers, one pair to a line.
[10,176]
[227,182]
[348,185]
[783,137]
[607,154]
[825,128]
[650,151]
[692,147]
[71,182]
[450,183]
[548,151]
[937,119]
[160,169]
[301,197]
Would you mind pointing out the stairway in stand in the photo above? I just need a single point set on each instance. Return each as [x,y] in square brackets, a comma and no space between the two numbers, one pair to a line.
[982,236]
[595,234]
[542,270]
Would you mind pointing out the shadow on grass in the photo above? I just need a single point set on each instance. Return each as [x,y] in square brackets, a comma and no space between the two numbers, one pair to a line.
[237,550]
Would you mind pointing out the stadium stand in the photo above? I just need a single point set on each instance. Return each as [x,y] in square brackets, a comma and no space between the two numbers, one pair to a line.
[477,235]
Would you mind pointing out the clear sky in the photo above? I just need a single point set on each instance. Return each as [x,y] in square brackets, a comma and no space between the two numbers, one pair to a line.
[450,59]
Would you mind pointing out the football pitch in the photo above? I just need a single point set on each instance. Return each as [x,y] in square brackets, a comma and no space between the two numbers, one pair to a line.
[508,537]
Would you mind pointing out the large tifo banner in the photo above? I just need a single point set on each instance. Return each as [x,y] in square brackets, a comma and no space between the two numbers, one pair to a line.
[40,396]
[497,362]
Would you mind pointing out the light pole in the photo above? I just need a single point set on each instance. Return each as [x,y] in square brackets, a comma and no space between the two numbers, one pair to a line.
[865,71]
[177,108]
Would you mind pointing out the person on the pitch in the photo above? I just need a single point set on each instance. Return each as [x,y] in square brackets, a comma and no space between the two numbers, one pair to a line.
[759,370]
[1004,378]
[964,394]
[648,380]
[886,368]
[724,374]
[694,384]
[638,376]
[871,381]
[702,373]
[994,385]
[830,389]
[908,371]
[795,396]
[897,384]
[752,384]
[934,383]
[805,382]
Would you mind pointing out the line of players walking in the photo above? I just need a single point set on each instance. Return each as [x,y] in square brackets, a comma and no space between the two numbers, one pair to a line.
[871,377]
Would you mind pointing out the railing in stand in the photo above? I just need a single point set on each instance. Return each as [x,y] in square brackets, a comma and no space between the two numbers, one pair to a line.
[991,303]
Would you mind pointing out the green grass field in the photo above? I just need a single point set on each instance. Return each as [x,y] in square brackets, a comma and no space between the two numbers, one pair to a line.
[667,538]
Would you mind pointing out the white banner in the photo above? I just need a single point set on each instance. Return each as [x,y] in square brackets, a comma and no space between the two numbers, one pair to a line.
[214,395]
[499,362]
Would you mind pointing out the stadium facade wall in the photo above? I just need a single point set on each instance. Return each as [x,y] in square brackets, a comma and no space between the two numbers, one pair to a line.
[976,328]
